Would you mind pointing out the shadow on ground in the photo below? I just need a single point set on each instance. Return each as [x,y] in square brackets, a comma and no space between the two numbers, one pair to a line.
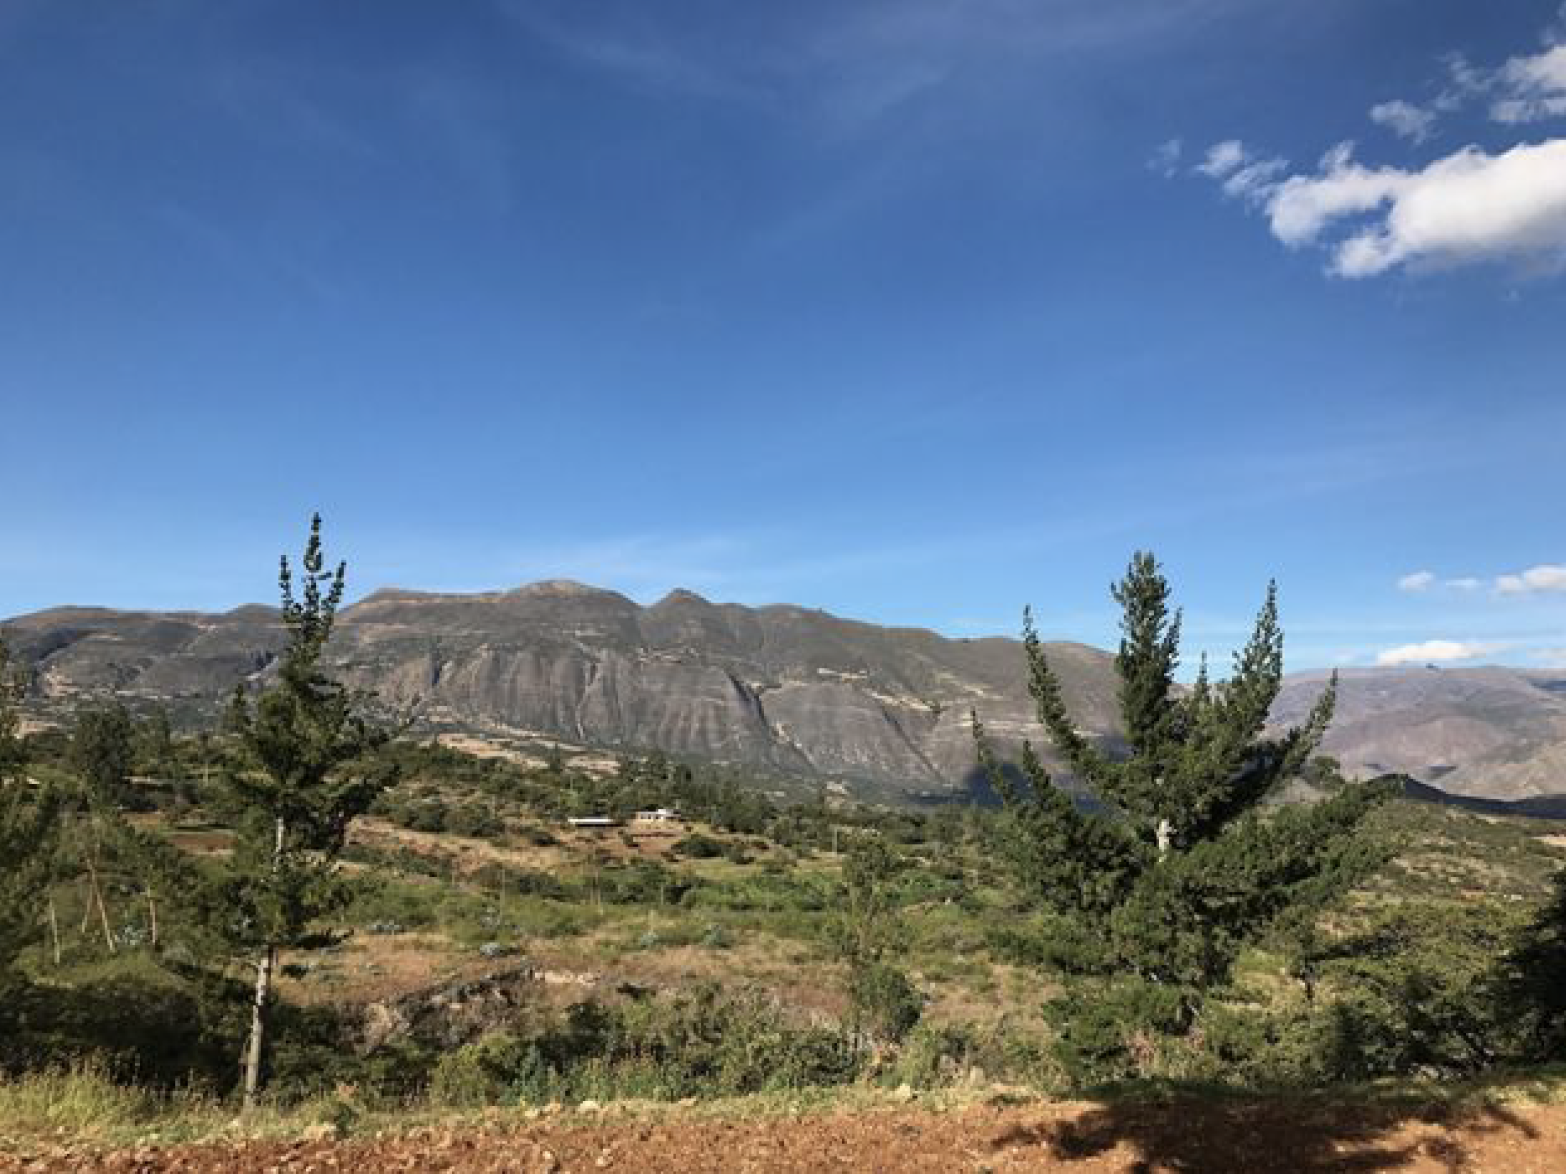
[1301,1136]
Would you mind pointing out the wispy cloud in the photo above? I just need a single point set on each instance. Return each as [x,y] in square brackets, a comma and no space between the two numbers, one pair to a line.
[1547,577]
[1416,581]
[1404,119]
[1165,159]
[1438,652]
[847,67]
[1242,175]
[1466,207]
[1531,88]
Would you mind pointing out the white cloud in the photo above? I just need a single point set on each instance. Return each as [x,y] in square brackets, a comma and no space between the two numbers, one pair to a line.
[1166,157]
[1436,652]
[1242,175]
[1531,88]
[1417,581]
[1466,583]
[1545,577]
[1467,207]
[1470,206]
[1554,658]
[1405,119]
[1222,158]
[1255,180]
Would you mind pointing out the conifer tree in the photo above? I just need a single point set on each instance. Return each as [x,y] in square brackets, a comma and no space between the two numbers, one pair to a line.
[1184,866]
[28,819]
[883,1003]
[312,767]
[101,754]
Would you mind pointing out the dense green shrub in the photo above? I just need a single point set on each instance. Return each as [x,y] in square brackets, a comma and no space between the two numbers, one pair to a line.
[1416,991]
[885,1004]
[698,847]
[699,1044]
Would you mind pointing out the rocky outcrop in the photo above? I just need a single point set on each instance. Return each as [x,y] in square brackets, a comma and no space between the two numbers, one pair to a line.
[779,689]
[784,689]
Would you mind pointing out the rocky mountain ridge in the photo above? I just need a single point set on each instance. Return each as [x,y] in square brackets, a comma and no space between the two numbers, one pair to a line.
[780,689]
[784,689]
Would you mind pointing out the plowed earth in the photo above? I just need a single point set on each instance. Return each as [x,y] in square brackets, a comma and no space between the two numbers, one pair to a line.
[1218,1135]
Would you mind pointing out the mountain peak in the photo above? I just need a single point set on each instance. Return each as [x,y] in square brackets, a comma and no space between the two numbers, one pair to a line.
[559,587]
[681,595]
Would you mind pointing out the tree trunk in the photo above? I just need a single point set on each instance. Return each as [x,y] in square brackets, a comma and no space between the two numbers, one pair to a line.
[152,915]
[261,1001]
[103,910]
[1165,833]
[54,930]
[259,1006]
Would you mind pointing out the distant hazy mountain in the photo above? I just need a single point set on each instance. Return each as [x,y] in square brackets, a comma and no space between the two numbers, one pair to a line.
[1494,733]
[781,689]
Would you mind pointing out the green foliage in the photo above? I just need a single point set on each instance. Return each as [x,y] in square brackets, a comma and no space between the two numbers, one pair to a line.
[29,819]
[156,753]
[1186,867]
[702,1043]
[102,754]
[1533,984]
[885,1002]
[698,847]
[311,767]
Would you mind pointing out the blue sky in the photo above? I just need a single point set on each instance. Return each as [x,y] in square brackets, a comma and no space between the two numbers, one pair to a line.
[915,311]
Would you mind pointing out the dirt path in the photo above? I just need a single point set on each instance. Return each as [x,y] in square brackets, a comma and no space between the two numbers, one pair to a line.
[1298,1137]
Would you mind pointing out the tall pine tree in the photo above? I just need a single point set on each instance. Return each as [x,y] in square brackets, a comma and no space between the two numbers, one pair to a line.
[28,822]
[312,767]
[1185,866]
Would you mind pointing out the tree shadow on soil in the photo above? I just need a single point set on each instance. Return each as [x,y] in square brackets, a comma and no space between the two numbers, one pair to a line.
[1302,1136]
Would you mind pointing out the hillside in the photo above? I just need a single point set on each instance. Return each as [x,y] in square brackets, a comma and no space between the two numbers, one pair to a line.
[780,690]
[1489,732]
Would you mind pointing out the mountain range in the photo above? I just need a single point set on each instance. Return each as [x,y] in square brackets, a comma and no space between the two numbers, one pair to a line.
[783,690]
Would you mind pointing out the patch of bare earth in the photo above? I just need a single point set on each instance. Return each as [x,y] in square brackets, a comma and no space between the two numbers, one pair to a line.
[1302,1136]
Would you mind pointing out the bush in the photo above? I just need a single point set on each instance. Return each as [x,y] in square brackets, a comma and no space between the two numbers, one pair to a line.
[473,820]
[1116,1030]
[698,847]
[499,1067]
[1414,992]
[700,1044]
[885,1003]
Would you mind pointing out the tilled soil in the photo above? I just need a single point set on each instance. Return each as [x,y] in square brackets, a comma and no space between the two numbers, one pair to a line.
[1197,1135]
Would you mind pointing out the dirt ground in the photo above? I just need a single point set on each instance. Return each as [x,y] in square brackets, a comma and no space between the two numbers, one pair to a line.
[1298,1137]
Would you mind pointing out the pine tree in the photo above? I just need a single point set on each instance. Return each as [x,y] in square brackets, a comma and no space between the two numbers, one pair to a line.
[1185,866]
[883,1003]
[28,821]
[313,766]
[101,754]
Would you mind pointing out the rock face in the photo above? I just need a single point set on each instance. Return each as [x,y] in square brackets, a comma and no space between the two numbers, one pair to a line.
[1494,733]
[782,688]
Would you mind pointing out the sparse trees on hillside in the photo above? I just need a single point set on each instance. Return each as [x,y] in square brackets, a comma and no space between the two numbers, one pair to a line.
[1186,867]
[312,767]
